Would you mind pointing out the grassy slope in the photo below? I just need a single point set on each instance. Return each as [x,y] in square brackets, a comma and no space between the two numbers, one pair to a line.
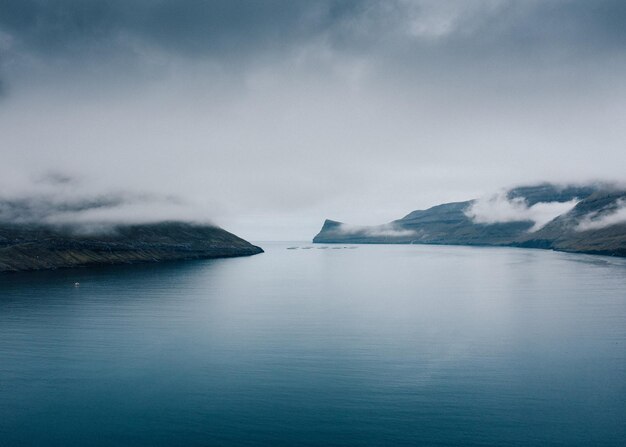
[36,247]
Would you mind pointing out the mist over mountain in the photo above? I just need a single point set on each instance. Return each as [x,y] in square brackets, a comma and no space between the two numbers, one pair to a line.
[61,200]
[588,218]
[57,223]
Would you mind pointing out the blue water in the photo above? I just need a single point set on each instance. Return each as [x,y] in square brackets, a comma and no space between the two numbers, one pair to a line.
[374,346]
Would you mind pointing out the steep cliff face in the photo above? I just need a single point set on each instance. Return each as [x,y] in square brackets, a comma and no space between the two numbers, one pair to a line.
[593,225]
[35,247]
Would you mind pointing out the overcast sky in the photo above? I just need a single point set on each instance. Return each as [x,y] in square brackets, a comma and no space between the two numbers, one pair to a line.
[268,117]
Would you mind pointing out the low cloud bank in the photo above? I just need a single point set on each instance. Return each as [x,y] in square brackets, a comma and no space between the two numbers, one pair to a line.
[60,200]
[602,219]
[387,230]
[499,208]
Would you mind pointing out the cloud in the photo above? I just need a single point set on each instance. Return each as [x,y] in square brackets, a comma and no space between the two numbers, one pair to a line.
[499,208]
[58,200]
[387,230]
[605,218]
[240,34]
[274,115]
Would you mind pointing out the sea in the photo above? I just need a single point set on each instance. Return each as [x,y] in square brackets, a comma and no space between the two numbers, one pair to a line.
[319,345]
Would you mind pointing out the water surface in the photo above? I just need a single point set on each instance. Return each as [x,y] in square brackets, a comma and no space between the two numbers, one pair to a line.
[380,345]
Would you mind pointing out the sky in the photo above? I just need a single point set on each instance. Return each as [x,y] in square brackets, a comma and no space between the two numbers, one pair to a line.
[268,117]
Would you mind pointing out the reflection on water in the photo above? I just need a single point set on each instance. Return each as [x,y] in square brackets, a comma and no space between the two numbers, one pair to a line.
[384,345]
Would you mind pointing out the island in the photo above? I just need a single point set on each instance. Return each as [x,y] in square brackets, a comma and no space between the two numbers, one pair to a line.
[593,221]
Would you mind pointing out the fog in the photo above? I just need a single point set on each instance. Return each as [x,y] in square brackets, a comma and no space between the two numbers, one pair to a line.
[267,118]
[499,208]
[385,230]
[614,216]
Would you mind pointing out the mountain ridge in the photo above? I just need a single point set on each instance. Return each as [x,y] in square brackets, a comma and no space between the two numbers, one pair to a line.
[582,228]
